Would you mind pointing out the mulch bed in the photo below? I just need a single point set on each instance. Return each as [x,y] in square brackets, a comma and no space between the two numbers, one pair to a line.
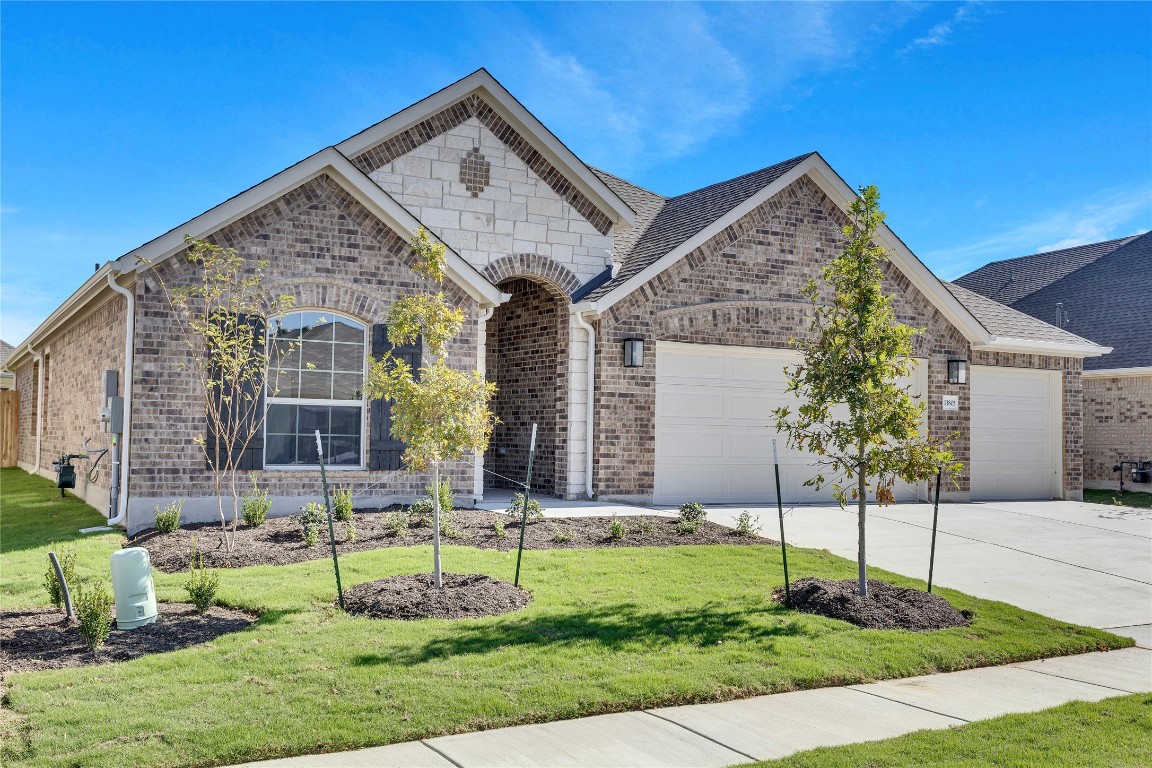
[463,596]
[886,607]
[279,541]
[38,639]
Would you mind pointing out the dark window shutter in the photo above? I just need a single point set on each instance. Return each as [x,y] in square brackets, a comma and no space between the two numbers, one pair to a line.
[253,455]
[385,451]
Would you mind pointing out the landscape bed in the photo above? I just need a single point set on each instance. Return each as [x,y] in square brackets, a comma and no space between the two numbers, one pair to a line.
[607,630]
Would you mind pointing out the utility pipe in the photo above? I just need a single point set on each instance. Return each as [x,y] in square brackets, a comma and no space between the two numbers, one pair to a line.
[39,358]
[590,415]
[481,365]
[129,346]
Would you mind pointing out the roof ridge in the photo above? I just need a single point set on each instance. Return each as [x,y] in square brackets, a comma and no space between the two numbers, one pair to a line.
[1120,241]
[789,161]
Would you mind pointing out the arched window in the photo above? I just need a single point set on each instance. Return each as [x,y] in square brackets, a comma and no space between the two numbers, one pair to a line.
[315,379]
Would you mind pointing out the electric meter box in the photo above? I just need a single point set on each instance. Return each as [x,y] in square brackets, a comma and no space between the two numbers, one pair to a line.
[132,588]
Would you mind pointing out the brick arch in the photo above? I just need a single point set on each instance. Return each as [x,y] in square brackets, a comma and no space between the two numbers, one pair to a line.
[328,293]
[535,267]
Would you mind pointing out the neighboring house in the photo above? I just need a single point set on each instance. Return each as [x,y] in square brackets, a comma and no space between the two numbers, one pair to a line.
[7,378]
[558,266]
[1102,292]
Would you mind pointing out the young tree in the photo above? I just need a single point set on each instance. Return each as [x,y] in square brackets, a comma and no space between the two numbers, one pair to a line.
[222,311]
[444,413]
[854,413]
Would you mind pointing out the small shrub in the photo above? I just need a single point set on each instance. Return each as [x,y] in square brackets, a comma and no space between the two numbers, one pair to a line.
[644,527]
[516,509]
[685,527]
[445,495]
[421,511]
[498,527]
[560,537]
[448,525]
[616,530]
[424,507]
[747,524]
[255,505]
[312,516]
[94,612]
[692,512]
[168,519]
[202,583]
[67,560]
[397,522]
[342,505]
[350,532]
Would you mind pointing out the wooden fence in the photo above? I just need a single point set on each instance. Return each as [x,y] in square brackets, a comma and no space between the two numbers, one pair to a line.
[9,427]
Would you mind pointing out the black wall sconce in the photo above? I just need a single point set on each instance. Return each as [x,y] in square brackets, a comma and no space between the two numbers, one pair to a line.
[957,371]
[633,353]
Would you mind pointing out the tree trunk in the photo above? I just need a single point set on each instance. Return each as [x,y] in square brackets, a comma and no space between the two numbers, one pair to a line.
[862,501]
[436,524]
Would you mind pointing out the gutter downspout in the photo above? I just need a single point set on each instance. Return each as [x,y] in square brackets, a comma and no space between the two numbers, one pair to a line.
[481,365]
[590,416]
[129,346]
[39,358]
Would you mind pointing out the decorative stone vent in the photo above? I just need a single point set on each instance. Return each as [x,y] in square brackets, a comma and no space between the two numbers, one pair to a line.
[475,171]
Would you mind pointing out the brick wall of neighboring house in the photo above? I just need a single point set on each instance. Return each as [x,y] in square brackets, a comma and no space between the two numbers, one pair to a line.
[743,287]
[1117,424]
[1072,387]
[329,253]
[74,366]
[527,359]
[478,194]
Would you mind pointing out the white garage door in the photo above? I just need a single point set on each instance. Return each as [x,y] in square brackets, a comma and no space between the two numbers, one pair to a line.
[713,427]
[1016,414]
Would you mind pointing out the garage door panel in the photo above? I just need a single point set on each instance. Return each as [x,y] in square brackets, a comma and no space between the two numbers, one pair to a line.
[695,367]
[746,445]
[1015,417]
[690,445]
[745,408]
[695,404]
[759,370]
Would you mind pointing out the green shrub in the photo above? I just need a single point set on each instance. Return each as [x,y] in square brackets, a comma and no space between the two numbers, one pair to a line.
[94,612]
[350,533]
[421,510]
[616,530]
[202,583]
[560,537]
[692,512]
[255,505]
[397,522]
[168,519]
[342,504]
[685,526]
[498,527]
[67,560]
[312,516]
[747,524]
[516,509]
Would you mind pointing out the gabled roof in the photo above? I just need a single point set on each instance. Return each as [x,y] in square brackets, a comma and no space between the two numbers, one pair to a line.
[496,96]
[1010,280]
[6,349]
[663,223]
[1002,320]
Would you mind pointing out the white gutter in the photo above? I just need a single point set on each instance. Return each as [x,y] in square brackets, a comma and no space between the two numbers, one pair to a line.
[129,346]
[1117,372]
[590,414]
[481,365]
[39,358]
[1032,347]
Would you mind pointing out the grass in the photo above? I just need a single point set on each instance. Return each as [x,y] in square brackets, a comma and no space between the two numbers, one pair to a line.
[1137,499]
[1103,734]
[608,630]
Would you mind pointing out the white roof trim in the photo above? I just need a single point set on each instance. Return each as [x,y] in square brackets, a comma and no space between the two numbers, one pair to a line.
[516,115]
[338,167]
[1031,347]
[1113,373]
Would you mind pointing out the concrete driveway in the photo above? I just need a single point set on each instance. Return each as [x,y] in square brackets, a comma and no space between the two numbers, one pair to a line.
[1089,564]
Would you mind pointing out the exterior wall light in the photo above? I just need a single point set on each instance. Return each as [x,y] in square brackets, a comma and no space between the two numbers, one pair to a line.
[957,371]
[633,353]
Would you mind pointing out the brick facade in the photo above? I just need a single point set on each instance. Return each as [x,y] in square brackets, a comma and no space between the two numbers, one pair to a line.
[1117,425]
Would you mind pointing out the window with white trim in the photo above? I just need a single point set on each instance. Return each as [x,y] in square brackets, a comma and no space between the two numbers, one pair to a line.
[315,378]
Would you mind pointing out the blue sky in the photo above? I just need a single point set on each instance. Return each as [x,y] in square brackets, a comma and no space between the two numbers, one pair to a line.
[993,130]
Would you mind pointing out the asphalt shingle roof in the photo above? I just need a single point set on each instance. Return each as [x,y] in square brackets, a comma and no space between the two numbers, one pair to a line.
[663,223]
[6,349]
[1010,280]
[1001,320]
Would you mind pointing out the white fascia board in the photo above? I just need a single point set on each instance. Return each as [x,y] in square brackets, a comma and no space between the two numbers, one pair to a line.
[606,301]
[516,115]
[335,165]
[1112,373]
[96,284]
[1033,347]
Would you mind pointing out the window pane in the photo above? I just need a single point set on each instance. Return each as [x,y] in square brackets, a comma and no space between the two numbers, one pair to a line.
[280,449]
[281,419]
[347,386]
[283,384]
[306,450]
[346,330]
[287,327]
[316,355]
[345,421]
[285,354]
[344,450]
[317,326]
[314,417]
[348,357]
[316,384]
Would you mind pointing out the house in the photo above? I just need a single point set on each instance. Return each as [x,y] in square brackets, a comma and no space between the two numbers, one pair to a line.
[558,266]
[1101,291]
[7,378]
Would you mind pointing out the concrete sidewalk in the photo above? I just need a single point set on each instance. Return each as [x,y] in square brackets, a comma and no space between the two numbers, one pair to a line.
[767,727]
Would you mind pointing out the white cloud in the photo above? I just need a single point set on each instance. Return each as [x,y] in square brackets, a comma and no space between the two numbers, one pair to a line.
[941,34]
[1106,216]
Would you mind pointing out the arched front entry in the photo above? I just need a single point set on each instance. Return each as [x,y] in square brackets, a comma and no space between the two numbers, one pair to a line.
[527,359]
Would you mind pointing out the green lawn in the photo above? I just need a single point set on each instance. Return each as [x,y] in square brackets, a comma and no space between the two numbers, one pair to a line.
[1114,733]
[607,630]
[1126,499]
